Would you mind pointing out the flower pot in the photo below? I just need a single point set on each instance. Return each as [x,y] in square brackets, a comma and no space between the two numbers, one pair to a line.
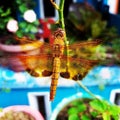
[36,115]
[64,103]
[10,54]
[85,107]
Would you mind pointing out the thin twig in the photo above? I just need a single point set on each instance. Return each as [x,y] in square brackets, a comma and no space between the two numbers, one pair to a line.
[54,4]
[86,89]
[60,10]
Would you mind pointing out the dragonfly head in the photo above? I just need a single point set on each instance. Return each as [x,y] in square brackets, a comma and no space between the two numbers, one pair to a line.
[59,36]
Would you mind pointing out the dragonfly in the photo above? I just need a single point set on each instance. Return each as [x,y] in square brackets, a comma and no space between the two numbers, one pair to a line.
[70,61]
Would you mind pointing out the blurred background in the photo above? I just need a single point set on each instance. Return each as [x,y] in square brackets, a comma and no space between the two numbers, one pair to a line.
[85,20]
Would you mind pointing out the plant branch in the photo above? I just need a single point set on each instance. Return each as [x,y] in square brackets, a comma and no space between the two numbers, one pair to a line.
[61,15]
[87,90]
[60,9]
[62,24]
[54,4]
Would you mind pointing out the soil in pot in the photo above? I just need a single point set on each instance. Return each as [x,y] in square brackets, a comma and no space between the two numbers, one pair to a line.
[12,115]
[20,112]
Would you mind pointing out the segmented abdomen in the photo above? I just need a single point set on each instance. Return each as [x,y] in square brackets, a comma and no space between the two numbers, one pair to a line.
[55,76]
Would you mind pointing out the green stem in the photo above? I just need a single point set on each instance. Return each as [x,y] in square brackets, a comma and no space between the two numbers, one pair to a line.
[60,10]
[62,25]
[86,89]
[61,19]
[61,15]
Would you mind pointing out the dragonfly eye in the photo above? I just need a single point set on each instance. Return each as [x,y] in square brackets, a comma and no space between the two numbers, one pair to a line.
[59,33]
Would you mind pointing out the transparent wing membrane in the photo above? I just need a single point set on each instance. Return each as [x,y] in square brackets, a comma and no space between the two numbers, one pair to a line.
[76,61]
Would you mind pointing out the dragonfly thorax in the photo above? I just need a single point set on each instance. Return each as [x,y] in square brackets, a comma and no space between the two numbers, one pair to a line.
[57,50]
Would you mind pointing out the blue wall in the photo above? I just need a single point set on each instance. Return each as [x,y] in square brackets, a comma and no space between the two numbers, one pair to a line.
[19,96]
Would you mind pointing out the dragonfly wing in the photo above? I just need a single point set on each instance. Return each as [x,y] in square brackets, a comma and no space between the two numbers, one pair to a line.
[46,48]
[77,68]
[85,49]
[36,65]
[79,59]
[41,64]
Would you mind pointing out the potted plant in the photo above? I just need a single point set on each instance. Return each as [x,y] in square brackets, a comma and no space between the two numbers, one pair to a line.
[23,23]
[20,112]
[84,107]
[87,106]
[18,36]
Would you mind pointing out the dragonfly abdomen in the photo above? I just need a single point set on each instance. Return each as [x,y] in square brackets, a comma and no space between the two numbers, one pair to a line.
[55,76]
[58,48]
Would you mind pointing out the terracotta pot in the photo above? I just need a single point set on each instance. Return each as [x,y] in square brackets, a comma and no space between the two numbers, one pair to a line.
[23,108]
[10,54]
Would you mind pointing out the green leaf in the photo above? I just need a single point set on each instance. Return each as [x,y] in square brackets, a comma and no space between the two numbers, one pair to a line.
[94,113]
[19,34]
[106,116]
[36,22]
[18,1]
[32,36]
[114,111]
[34,29]
[1,10]
[73,117]
[7,19]
[27,29]
[85,117]
[22,24]
[116,117]
[2,26]
[73,110]
[99,105]
[95,30]
[22,8]
[6,13]
[81,108]
[77,102]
